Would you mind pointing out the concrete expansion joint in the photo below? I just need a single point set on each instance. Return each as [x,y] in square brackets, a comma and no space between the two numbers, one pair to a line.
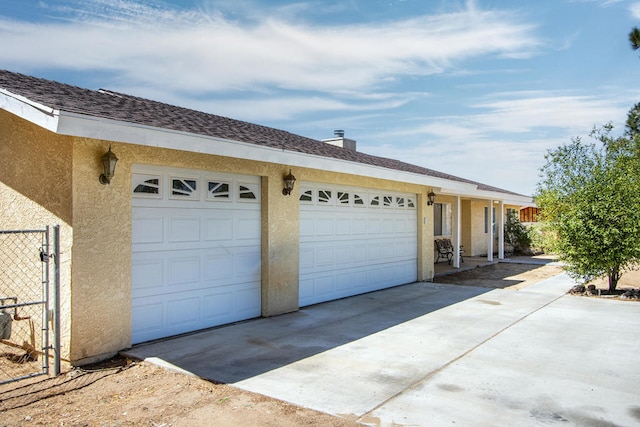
[433,373]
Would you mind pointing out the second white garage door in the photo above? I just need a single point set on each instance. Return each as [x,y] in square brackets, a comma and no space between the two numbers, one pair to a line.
[355,240]
[196,250]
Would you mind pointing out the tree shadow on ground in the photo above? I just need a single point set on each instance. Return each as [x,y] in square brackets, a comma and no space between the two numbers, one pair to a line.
[499,276]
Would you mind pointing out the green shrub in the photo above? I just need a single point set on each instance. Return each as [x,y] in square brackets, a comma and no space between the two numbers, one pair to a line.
[517,235]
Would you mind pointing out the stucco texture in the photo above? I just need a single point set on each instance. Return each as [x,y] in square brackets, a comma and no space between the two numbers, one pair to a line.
[36,192]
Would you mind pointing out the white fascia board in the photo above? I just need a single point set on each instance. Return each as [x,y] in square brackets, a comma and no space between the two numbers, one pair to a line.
[111,130]
[506,198]
[38,114]
[518,201]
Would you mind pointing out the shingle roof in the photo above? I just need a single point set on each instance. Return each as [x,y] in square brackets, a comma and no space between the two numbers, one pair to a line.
[127,108]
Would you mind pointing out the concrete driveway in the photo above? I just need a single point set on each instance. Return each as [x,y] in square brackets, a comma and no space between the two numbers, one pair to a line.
[434,354]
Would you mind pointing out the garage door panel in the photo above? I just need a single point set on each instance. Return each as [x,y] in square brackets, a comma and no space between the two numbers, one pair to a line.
[305,290]
[183,270]
[324,227]
[147,229]
[247,229]
[388,226]
[248,301]
[343,226]
[195,262]
[387,273]
[307,228]
[183,313]
[323,285]
[324,256]
[348,248]
[374,251]
[218,306]
[307,258]
[217,266]
[218,229]
[374,225]
[343,255]
[183,229]
[359,226]
[147,273]
[403,250]
[247,265]
[359,279]
[359,253]
[373,277]
[148,318]
[344,282]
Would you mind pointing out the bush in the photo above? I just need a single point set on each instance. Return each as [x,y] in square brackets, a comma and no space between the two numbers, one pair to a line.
[541,238]
[517,235]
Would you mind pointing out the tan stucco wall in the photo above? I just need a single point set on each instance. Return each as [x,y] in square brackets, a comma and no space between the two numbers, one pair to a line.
[479,239]
[280,240]
[101,271]
[36,191]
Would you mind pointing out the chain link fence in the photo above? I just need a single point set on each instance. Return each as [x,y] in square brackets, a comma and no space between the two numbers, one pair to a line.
[27,261]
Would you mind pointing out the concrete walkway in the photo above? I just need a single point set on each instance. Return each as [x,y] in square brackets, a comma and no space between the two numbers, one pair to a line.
[435,354]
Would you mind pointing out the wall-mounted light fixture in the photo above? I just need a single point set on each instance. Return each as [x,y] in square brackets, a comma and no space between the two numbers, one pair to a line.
[109,161]
[431,198]
[289,182]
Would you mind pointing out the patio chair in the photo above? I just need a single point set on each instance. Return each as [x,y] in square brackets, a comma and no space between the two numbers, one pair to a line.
[445,250]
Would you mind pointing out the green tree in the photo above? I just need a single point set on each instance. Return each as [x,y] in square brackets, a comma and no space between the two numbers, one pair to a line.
[633,121]
[590,198]
[634,38]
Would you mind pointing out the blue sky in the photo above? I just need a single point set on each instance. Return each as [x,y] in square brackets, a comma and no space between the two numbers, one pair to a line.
[479,89]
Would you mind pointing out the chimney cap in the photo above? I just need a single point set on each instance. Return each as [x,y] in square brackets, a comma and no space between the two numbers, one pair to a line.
[338,133]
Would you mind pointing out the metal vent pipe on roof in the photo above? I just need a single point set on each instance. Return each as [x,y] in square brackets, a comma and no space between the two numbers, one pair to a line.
[338,133]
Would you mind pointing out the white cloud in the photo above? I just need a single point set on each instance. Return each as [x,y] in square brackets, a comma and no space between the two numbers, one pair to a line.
[504,143]
[635,10]
[205,51]
[525,114]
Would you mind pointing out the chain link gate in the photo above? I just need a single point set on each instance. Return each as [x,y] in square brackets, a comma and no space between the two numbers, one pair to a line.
[29,295]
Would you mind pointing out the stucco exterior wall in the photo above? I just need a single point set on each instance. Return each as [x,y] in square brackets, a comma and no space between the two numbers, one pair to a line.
[479,239]
[466,227]
[280,246]
[36,191]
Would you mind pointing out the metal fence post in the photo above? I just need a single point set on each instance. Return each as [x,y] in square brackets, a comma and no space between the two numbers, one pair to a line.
[56,300]
[46,259]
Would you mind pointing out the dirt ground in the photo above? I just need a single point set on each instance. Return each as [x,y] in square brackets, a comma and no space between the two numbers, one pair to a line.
[122,392]
[501,275]
[629,280]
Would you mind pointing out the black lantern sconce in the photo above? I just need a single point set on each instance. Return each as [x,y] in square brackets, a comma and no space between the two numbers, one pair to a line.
[289,182]
[431,198]
[109,161]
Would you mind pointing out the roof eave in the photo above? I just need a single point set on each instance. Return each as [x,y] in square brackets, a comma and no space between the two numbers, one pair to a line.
[80,125]
[86,126]
[36,113]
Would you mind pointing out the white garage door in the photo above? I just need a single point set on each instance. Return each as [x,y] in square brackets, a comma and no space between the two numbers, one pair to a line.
[355,240]
[196,250]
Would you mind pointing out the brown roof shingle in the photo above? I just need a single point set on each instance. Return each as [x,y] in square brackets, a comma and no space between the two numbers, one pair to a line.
[132,109]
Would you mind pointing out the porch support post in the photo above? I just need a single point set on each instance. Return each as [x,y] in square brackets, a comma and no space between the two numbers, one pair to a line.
[456,232]
[490,231]
[500,221]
